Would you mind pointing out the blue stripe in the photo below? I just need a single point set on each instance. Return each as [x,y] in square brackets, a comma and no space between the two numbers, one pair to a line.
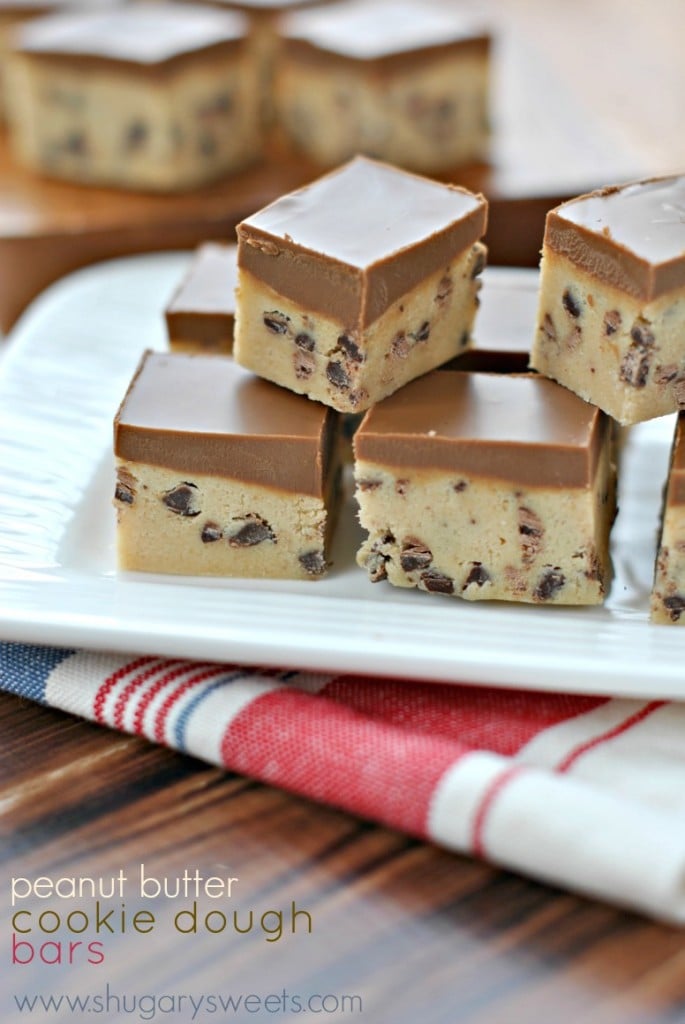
[192,706]
[25,669]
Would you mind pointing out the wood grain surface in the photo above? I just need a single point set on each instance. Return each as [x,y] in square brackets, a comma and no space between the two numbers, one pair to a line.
[420,934]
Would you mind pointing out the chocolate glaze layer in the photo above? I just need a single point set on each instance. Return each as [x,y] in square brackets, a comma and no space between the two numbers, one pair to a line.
[144,35]
[676,478]
[630,236]
[206,415]
[525,429]
[381,34]
[357,239]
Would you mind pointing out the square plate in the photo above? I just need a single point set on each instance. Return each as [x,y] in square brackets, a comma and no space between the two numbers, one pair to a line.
[66,367]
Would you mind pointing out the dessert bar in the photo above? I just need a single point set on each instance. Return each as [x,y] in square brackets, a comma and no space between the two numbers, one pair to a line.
[404,82]
[220,473]
[151,96]
[486,486]
[200,314]
[611,320]
[354,285]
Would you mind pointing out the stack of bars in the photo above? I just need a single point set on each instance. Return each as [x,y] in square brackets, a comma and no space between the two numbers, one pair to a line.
[356,300]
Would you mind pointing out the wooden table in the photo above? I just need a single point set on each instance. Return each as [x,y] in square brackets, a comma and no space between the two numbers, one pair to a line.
[421,935]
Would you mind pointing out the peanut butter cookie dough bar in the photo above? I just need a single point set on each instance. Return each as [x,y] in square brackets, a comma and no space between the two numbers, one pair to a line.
[486,486]
[200,315]
[354,285]
[404,82]
[222,474]
[611,319]
[157,96]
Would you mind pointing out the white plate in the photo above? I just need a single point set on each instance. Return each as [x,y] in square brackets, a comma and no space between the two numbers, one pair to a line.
[65,369]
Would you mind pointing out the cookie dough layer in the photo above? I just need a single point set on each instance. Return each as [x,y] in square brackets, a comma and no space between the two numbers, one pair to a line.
[613,350]
[201,313]
[509,495]
[406,84]
[320,356]
[353,285]
[611,314]
[219,473]
[154,97]
[207,526]
[668,592]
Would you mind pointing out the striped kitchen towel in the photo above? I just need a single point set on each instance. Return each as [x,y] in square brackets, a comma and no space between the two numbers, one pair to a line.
[583,792]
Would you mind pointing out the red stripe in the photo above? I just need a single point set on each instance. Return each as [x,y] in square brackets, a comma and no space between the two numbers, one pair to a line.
[153,690]
[134,684]
[610,734]
[111,681]
[330,753]
[175,695]
[480,717]
[485,806]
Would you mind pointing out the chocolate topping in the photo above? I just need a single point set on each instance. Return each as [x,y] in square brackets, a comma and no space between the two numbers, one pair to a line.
[144,35]
[526,429]
[380,34]
[207,415]
[353,242]
[632,236]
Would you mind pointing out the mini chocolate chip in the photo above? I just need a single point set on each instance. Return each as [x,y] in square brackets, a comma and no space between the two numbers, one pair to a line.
[400,345]
[641,335]
[276,322]
[423,332]
[136,135]
[208,145]
[337,375]
[304,341]
[369,485]
[125,490]
[123,494]
[401,486]
[376,563]
[570,303]
[550,583]
[460,486]
[665,374]
[464,339]
[415,555]
[210,533]
[254,531]
[75,144]
[477,575]
[635,365]
[478,264]
[181,500]
[222,103]
[612,321]
[532,530]
[444,289]
[304,364]
[313,563]
[350,348]
[675,604]
[436,582]
[548,328]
